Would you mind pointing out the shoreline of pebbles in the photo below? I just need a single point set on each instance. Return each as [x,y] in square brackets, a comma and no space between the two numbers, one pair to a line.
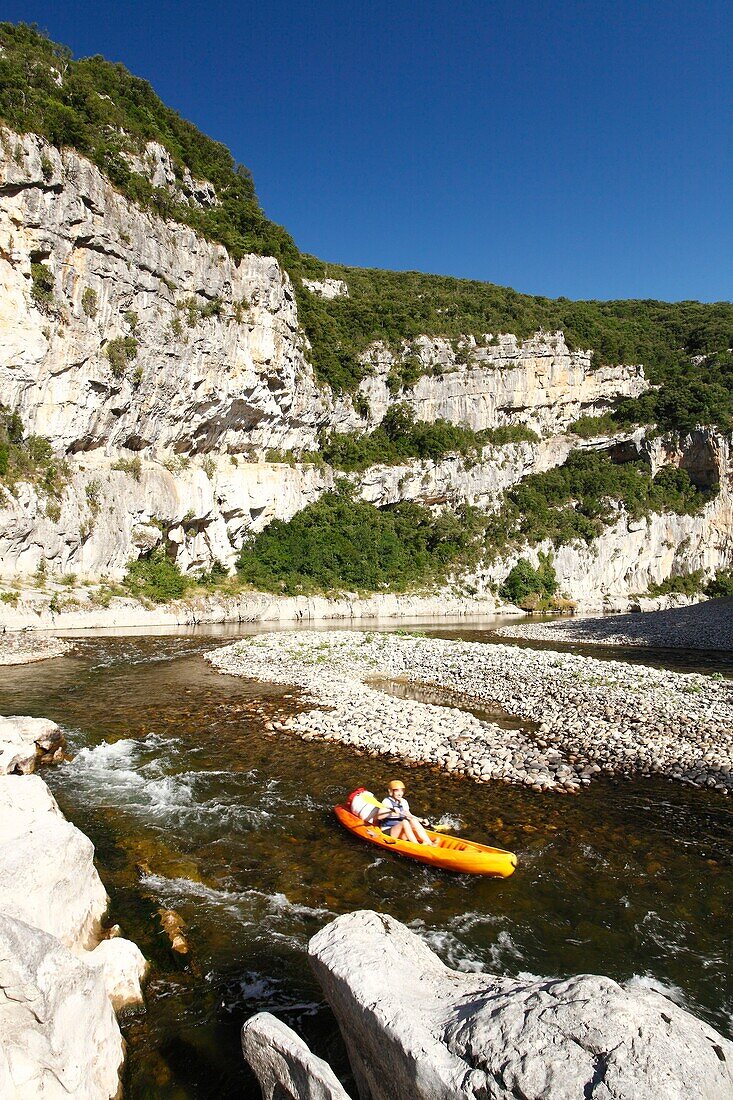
[23,647]
[707,625]
[586,718]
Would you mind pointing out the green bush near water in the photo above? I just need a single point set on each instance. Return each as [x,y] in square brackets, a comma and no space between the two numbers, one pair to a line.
[692,584]
[341,544]
[524,580]
[720,585]
[688,584]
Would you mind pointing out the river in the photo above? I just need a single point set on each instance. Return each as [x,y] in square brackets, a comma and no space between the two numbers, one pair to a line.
[194,805]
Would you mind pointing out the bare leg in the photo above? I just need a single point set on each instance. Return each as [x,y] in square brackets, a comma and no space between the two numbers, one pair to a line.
[403,831]
[419,830]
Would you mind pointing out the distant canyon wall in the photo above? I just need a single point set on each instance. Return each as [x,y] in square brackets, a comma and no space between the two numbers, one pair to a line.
[165,372]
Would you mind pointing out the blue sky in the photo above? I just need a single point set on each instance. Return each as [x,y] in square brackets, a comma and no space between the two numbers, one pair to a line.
[577,149]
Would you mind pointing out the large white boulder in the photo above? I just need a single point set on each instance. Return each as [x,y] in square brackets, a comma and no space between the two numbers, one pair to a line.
[416,1030]
[25,741]
[58,1034]
[47,872]
[285,1066]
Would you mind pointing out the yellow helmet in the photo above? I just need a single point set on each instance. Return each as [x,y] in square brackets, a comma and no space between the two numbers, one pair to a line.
[396,783]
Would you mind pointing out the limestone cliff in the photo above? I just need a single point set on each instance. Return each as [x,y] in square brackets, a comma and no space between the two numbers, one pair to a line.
[537,382]
[167,373]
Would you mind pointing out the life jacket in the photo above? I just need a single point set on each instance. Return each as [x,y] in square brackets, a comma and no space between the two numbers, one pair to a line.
[363,803]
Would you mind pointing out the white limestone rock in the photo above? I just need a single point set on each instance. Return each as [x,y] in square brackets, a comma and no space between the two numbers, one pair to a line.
[234,378]
[536,382]
[327,288]
[285,1066]
[414,1028]
[47,873]
[26,741]
[203,402]
[124,968]
[58,1034]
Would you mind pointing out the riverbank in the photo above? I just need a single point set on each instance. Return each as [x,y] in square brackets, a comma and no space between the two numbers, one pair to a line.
[39,611]
[580,718]
[25,648]
[707,625]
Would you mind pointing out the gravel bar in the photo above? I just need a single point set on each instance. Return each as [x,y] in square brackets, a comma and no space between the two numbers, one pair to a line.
[589,718]
[706,625]
[25,647]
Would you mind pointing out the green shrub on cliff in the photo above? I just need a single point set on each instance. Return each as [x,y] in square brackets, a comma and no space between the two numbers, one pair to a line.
[578,499]
[121,351]
[42,285]
[155,577]
[400,438]
[340,544]
[28,458]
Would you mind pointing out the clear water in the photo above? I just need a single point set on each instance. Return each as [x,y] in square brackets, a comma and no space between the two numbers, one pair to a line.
[194,806]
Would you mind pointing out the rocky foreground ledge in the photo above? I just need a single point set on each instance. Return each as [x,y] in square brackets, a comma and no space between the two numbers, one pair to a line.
[416,1030]
[583,718]
[60,980]
[706,625]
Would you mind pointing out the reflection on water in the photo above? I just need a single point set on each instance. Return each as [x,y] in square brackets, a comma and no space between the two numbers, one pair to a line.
[193,805]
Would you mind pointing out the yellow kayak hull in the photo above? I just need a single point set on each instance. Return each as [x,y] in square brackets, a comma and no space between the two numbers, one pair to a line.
[451,853]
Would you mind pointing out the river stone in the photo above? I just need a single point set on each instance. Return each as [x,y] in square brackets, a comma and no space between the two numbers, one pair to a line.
[123,967]
[284,1065]
[58,1034]
[23,741]
[415,1028]
[47,872]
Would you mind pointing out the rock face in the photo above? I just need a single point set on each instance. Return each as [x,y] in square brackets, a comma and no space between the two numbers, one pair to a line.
[414,1028]
[173,379]
[218,361]
[632,554]
[284,1065]
[201,513]
[327,288]
[47,872]
[537,382]
[24,742]
[58,1034]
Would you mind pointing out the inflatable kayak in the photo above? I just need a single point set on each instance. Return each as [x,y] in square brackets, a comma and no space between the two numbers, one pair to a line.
[451,853]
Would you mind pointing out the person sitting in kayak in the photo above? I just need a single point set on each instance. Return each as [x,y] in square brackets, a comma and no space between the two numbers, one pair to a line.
[395,818]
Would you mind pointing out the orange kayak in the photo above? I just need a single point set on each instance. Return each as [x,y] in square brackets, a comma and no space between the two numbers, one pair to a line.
[451,852]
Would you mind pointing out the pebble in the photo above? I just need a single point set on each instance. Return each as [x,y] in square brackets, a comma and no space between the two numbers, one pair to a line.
[707,625]
[585,718]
